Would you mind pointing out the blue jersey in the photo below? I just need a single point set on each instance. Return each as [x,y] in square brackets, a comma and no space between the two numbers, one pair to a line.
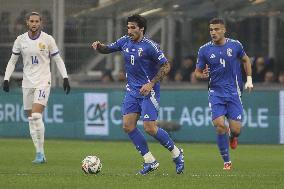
[142,62]
[224,64]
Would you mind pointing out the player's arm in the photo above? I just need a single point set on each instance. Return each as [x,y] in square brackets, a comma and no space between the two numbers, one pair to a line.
[101,48]
[16,51]
[202,74]
[202,70]
[54,52]
[163,71]
[9,70]
[62,69]
[247,66]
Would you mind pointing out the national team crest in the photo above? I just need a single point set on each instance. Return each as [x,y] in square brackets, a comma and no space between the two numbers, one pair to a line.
[41,46]
[140,50]
[229,52]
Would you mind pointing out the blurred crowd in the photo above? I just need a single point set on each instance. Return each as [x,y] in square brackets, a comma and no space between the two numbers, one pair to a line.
[263,72]
[8,31]
[181,71]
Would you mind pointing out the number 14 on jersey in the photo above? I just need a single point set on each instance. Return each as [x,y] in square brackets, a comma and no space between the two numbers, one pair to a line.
[34,60]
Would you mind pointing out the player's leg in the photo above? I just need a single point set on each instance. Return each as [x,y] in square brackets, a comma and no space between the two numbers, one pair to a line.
[235,112]
[218,109]
[150,115]
[28,95]
[131,113]
[37,110]
[39,103]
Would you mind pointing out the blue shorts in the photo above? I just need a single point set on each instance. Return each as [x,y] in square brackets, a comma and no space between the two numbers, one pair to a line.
[231,107]
[147,107]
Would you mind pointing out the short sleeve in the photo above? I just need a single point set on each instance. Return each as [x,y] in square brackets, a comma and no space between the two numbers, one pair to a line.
[117,45]
[53,49]
[240,50]
[16,47]
[157,54]
[201,61]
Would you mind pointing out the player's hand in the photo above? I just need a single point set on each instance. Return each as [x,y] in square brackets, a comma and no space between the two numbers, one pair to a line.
[249,84]
[96,44]
[6,87]
[146,88]
[205,72]
[66,85]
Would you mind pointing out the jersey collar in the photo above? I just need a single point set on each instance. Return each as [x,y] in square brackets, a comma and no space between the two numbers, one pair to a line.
[35,37]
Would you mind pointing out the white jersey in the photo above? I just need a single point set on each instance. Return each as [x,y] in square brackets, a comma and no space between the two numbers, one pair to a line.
[36,55]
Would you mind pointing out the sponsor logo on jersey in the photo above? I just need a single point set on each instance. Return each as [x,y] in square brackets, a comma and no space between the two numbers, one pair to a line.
[146,116]
[212,56]
[239,116]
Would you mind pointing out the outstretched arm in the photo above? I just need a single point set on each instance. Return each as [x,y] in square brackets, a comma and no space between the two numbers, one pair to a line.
[101,48]
[163,71]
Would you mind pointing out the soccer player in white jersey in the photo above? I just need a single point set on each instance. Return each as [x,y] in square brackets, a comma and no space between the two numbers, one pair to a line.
[220,61]
[37,48]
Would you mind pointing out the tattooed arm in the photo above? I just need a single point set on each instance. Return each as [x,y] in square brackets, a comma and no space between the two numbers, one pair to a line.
[163,71]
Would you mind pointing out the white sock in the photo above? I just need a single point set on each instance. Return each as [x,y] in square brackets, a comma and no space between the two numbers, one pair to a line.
[175,152]
[149,158]
[33,133]
[39,125]
[41,138]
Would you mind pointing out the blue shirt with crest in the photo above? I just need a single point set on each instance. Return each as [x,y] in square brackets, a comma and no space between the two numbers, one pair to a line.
[224,62]
[142,62]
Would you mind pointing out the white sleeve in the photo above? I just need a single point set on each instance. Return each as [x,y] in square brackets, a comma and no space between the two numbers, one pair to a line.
[53,49]
[17,47]
[60,65]
[11,66]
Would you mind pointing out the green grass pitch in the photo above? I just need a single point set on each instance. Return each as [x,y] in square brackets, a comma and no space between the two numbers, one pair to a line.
[254,166]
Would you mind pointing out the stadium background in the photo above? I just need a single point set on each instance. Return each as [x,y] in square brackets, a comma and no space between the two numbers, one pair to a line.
[181,27]
[89,117]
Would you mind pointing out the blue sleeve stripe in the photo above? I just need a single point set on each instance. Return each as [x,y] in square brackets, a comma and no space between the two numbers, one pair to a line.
[16,53]
[53,54]
[152,44]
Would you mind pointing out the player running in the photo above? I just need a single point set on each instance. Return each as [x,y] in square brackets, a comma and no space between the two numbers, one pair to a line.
[145,66]
[219,60]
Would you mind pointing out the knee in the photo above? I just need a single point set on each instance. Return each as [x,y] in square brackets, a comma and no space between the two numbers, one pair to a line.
[36,116]
[127,128]
[151,129]
[220,129]
[235,131]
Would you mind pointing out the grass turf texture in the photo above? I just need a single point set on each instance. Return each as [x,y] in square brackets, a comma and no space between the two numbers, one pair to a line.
[254,166]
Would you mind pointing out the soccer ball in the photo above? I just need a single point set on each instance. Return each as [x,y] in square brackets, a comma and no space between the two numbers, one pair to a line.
[91,165]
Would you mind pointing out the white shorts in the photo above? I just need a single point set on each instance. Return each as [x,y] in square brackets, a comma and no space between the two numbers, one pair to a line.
[35,95]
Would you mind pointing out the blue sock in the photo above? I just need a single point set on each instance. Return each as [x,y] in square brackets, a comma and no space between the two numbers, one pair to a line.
[139,141]
[223,145]
[163,137]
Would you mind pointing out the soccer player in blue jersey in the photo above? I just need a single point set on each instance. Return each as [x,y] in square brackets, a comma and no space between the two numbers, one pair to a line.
[145,66]
[219,60]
